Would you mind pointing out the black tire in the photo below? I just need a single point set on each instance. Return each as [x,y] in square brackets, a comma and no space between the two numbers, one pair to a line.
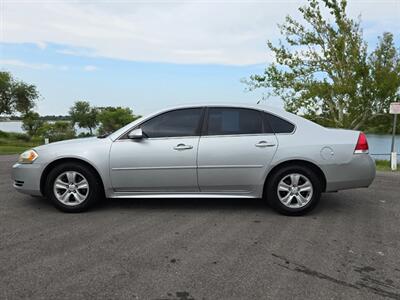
[94,193]
[271,190]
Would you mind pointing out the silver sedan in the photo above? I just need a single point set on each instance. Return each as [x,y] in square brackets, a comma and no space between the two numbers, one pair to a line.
[213,151]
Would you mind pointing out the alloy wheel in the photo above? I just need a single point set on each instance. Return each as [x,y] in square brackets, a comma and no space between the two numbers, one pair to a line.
[295,190]
[71,188]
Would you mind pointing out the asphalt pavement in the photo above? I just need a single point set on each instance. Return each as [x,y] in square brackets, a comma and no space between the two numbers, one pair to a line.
[347,248]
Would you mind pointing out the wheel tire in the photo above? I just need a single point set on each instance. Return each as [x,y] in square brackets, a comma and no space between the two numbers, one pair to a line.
[94,192]
[271,191]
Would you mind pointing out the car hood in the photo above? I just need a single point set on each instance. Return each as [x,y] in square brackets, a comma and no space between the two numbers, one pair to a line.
[70,143]
[87,149]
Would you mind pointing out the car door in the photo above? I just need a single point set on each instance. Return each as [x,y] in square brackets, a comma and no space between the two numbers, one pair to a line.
[164,160]
[235,150]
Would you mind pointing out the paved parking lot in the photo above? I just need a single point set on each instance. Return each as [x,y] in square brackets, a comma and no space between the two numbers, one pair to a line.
[349,247]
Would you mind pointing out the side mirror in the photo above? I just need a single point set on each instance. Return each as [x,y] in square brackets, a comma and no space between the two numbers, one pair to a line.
[136,134]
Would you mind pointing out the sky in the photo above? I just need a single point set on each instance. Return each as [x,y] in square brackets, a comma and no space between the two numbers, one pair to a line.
[148,55]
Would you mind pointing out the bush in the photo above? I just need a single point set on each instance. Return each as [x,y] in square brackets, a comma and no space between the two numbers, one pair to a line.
[4,134]
[21,136]
[57,131]
[14,136]
[31,123]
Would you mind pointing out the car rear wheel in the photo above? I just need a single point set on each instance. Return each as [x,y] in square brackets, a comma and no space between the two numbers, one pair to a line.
[73,187]
[293,190]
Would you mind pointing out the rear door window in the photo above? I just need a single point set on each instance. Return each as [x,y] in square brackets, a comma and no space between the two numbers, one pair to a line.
[233,121]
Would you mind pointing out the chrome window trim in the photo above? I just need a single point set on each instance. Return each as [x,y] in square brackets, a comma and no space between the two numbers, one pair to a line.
[159,138]
[200,135]
[237,135]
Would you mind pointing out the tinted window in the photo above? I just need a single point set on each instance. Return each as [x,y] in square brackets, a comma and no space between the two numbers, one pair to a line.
[277,124]
[183,122]
[223,121]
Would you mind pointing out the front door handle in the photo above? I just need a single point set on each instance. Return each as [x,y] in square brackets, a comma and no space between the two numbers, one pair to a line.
[182,147]
[263,144]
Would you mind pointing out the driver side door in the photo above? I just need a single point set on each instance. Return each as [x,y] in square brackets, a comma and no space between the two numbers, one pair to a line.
[164,160]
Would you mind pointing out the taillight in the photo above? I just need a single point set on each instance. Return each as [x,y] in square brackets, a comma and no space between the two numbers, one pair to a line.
[362,144]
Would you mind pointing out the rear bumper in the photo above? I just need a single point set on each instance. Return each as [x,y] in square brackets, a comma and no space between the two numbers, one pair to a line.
[26,178]
[358,173]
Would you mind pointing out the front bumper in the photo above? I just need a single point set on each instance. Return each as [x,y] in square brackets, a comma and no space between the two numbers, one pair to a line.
[26,178]
[357,173]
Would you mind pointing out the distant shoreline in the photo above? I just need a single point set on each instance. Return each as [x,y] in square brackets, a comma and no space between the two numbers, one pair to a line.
[43,118]
[48,120]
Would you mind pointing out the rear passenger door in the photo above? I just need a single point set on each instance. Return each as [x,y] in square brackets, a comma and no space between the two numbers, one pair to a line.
[235,150]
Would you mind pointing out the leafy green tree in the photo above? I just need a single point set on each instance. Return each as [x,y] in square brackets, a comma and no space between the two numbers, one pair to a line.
[16,96]
[6,93]
[84,115]
[113,118]
[31,123]
[322,68]
[57,131]
[384,83]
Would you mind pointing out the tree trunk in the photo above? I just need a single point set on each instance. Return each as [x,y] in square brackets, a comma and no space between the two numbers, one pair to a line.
[362,121]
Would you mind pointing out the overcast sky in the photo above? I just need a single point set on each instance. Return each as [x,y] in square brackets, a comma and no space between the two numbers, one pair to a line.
[151,54]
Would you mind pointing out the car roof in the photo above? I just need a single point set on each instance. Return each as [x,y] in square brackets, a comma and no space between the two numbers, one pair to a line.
[223,104]
[275,110]
[271,109]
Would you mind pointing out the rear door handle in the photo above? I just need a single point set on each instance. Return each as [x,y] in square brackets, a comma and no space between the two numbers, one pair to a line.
[263,144]
[182,147]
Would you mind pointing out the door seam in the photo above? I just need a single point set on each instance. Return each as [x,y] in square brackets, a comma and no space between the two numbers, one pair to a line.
[197,164]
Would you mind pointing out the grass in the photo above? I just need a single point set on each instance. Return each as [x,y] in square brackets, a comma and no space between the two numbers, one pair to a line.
[9,149]
[15,143]
[384,165]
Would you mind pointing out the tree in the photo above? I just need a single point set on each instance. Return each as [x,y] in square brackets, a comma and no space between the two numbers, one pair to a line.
[57,131]
[323,71]
[16,96]
[84,115]
[31,123]
[6,93]
[113,118]
[384,83]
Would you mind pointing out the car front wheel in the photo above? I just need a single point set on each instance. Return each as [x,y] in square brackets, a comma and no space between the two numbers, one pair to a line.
[293,190]
[72,187]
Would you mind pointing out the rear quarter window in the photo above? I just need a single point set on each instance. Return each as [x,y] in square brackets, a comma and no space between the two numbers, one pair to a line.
[277,124]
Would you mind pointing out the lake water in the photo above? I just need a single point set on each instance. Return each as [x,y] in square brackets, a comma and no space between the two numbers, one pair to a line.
[379,145]
[16,126]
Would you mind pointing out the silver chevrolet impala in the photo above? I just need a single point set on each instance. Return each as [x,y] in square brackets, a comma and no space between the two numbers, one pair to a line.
[211,151]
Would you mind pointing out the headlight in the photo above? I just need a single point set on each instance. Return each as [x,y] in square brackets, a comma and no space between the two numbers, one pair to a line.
[28,157]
